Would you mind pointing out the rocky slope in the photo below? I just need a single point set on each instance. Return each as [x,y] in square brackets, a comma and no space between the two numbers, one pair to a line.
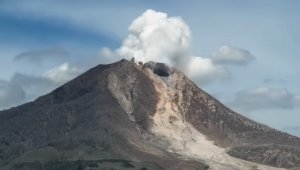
[137,116]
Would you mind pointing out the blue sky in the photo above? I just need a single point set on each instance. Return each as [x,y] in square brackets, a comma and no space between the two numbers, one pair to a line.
[57,40]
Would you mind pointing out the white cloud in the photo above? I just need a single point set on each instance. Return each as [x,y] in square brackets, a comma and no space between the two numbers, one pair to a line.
[203,70]
[154,36]
[62,73]
[108,56]
[265,98]
[232,55]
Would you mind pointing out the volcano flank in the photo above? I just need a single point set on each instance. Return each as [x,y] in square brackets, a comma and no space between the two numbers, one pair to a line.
[129,115]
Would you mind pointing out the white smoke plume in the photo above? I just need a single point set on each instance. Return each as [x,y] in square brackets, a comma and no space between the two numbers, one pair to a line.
[154,36]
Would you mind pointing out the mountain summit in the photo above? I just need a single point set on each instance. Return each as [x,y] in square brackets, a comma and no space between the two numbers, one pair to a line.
[129,115]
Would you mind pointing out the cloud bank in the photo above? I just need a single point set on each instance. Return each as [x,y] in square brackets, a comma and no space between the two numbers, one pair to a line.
[22,88]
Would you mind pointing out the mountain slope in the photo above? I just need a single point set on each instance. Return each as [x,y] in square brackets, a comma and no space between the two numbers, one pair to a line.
[146,115]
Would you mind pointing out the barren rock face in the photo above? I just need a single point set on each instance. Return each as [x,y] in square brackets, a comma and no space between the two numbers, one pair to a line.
[173,126]
[128,115]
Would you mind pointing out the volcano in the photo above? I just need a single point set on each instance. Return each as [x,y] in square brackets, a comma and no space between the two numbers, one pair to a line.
[143,116]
